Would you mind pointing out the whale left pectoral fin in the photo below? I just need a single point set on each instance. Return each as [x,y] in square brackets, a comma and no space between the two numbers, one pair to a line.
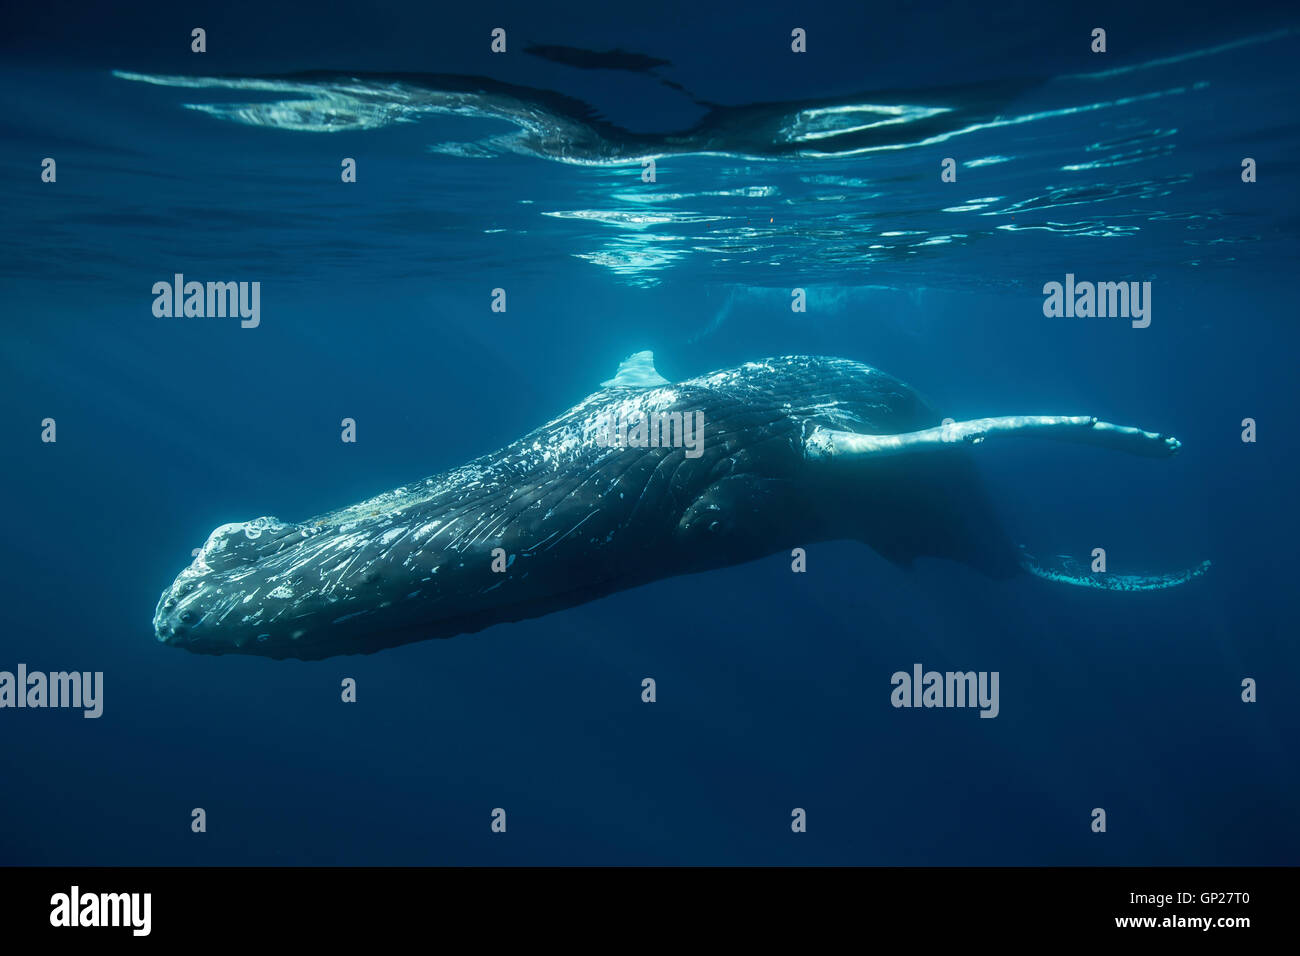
[1066,570]
[832,444]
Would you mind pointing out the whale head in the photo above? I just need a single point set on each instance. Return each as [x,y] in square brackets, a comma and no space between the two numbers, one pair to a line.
[212,607]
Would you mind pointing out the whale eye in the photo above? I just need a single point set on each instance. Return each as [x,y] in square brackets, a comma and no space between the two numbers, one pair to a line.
[187,617]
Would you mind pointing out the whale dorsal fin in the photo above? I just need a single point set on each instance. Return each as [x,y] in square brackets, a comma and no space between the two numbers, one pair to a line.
[636,371]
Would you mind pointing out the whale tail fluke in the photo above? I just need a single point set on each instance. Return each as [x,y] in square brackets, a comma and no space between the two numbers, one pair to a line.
[1064,569]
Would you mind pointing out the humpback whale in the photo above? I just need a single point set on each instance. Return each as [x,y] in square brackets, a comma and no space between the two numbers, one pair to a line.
[565,129]
[794,450]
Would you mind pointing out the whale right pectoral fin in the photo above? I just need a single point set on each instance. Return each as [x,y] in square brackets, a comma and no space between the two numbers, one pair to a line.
[835,445]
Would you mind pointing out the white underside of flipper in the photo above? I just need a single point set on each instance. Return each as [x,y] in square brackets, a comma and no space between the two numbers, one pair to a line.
[829,443]
[846,447]
[1064,569]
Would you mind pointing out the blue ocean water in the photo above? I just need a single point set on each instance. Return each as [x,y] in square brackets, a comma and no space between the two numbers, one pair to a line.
[773,688]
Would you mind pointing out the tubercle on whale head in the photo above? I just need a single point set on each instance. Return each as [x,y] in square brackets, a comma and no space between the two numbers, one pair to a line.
[190,612]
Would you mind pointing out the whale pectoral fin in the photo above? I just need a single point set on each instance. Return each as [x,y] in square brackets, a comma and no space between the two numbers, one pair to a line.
[823,443]
[835,446]
[636,371]
[1064,569]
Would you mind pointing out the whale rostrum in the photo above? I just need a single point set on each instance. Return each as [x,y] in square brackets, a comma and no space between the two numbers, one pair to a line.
[642,480]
